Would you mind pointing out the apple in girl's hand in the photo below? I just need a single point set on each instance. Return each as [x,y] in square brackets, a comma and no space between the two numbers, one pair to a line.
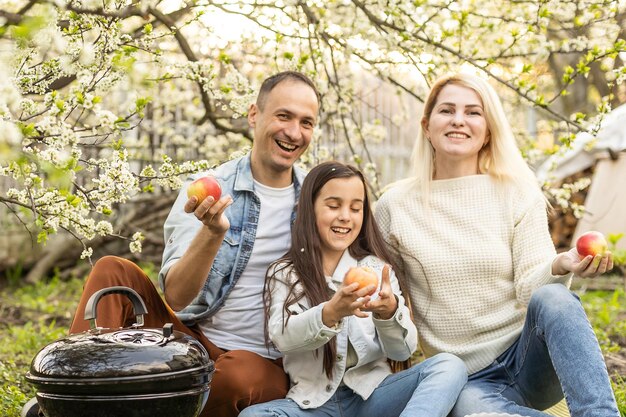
[204,187]
[591,243]
[364,276]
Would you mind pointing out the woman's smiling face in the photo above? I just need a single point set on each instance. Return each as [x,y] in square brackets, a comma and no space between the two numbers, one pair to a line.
[457,127]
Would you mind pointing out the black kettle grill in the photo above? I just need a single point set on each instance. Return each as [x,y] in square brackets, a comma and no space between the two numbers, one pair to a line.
[129,372]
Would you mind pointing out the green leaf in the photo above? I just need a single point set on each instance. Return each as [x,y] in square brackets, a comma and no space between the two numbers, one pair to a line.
[142,102]
[28,130]
[117,145]
[73,200]
[122,60]
[60,104]
[583,68]
[28,28]
[223,57]
[42,237]
[614,238]
[578,21]
[544,12]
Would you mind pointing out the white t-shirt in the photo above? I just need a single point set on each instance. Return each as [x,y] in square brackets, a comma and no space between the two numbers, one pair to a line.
[240,322]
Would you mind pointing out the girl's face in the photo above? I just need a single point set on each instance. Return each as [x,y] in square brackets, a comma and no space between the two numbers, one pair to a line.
[339,215]
[457,128]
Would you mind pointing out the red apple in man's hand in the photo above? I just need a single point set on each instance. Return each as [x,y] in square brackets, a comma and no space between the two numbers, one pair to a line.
[204,187]
[591,243]
[364,276]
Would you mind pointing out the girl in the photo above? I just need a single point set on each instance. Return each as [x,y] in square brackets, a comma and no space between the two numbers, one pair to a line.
[471,233]
[336,339]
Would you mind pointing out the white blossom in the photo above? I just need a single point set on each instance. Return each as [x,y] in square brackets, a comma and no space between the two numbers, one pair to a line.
[86,253]
[111,107]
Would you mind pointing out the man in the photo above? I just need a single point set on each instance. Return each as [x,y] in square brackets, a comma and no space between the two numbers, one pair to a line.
[217,253]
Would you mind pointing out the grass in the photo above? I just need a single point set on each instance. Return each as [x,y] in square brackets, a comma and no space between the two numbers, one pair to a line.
[607,314]
[34,316]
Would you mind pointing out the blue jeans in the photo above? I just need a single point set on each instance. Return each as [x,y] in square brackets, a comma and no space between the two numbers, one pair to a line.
[556,354]
[428,389]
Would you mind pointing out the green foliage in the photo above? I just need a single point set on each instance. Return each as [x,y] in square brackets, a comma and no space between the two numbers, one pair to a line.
[608,318]
[619,388]
[28,28]
[11,396]
[619,255]
[14,274]
[42,315]
[26,341]
[45,312]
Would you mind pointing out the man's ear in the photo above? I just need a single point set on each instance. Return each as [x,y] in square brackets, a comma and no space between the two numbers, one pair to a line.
[252,114]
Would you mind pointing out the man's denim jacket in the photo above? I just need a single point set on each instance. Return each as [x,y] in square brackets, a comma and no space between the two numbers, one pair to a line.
[180,228]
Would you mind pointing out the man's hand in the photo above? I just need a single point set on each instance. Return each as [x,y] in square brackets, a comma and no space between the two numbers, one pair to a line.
[186,277]
[211,212]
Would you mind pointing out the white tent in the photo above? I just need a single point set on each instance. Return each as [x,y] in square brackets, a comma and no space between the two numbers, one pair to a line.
[605,203]
[611,138]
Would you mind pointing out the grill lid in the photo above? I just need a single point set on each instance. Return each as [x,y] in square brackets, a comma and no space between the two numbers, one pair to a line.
[124,361]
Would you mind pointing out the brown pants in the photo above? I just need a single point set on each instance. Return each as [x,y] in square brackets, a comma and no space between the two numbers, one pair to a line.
[241,378]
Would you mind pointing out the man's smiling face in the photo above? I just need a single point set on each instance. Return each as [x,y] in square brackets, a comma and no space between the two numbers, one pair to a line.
[283,126]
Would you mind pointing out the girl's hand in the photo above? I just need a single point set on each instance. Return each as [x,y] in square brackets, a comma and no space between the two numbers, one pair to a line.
[347,301]
[385,306]
[587,267]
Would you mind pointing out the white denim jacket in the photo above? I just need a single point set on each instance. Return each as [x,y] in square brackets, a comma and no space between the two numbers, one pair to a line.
[301,341]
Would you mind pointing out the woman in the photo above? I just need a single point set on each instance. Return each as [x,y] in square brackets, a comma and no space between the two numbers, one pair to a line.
[469,232]
[336,338]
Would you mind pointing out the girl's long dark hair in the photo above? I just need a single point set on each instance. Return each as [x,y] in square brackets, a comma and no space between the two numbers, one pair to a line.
[304,257]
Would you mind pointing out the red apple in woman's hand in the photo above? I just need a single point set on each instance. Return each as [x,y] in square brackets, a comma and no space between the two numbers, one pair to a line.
[364,276]
[591,243]
[204,187]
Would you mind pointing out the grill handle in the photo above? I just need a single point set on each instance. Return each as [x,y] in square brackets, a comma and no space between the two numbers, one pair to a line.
[139,307]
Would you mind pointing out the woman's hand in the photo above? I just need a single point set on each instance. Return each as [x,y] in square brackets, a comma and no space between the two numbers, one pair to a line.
[385,306]
[587,267]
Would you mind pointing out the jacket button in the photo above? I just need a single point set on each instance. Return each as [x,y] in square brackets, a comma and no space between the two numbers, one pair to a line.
[400,316]
[306,402]
[329,388]
[339,357]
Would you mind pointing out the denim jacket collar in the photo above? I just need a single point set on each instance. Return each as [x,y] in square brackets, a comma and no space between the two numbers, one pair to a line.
[244,181]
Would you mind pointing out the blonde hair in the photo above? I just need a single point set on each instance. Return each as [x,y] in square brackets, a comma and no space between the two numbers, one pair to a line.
[499,158]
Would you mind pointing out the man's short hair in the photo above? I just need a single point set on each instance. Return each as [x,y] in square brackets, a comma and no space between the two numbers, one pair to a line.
[272,81]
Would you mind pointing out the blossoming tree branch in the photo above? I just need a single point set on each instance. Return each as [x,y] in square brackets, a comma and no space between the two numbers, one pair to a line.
[104,103]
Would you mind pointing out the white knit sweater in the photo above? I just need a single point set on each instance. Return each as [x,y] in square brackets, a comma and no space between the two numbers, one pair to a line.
[471,261]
